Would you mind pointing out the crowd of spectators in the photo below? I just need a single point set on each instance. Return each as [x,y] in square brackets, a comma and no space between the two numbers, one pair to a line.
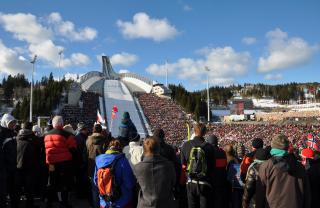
[244,133]
[165,114]
[86,111]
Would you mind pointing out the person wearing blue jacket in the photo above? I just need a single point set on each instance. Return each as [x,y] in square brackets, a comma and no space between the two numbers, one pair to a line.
[123,176]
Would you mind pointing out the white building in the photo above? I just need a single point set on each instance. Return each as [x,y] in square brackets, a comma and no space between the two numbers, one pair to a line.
[161,90]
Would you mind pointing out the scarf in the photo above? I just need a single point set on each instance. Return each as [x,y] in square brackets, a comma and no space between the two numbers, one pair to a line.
[278,152]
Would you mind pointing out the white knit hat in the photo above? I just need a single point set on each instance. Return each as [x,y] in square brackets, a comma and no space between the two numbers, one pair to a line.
[57,122]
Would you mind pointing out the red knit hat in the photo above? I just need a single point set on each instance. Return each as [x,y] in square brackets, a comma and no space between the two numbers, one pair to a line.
[307,153]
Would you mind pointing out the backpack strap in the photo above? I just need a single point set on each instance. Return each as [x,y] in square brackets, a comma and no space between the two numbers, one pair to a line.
[114,162]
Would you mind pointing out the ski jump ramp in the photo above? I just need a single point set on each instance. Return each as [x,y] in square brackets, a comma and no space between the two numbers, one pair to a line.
[116,93]
[113,89]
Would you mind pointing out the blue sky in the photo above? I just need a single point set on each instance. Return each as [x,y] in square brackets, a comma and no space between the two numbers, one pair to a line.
[244,41]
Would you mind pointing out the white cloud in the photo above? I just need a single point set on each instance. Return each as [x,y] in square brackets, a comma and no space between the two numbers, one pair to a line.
[224,63]
[67,29]
[124,59]
[122,71]
[79,59]
[273,77]
[25,27]
[284,52]
[39,39]
[72,76]
[145,27]
[187,8]
[11,62]
[249,40]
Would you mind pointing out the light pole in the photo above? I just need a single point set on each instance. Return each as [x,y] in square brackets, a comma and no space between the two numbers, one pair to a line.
[33,62]
[208,96]
[60,53]
[166,73]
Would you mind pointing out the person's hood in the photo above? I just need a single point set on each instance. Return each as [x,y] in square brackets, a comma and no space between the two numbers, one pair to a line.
[105,159]
[25,134]
[97,138]
[159,140]
[155,158]
[6,120]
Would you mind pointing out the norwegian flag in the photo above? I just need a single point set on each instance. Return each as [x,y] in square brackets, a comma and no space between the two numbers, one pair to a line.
[114,112]
[313,142]
[100,118]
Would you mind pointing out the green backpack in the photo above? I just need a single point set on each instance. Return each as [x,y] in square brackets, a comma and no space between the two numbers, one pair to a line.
[197,166]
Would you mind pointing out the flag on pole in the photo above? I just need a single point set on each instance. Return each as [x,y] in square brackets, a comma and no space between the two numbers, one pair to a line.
[114,112]
[313,142]
[100,118]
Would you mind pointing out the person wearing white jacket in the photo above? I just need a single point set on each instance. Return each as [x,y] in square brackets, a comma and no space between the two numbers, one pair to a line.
[134,151]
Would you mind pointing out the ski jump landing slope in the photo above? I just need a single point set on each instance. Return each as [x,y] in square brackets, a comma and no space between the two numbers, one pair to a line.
[116,93]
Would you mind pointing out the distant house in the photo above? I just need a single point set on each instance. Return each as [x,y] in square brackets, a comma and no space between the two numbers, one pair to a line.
[161,90]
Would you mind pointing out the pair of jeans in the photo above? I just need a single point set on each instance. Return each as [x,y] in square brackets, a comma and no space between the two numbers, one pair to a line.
[199,195]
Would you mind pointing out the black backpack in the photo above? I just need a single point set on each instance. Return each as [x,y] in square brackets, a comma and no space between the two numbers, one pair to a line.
[197,164]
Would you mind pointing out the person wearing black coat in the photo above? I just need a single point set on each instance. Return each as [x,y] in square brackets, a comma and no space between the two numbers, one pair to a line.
[220,173]
[81,176]
[28,162]
[167,151]
[8,160]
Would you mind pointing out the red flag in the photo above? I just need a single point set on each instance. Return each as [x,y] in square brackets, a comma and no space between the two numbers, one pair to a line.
[115,109]
[114,112]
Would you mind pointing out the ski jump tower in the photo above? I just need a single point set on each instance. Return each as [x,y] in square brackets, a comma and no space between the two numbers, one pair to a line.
[116,89]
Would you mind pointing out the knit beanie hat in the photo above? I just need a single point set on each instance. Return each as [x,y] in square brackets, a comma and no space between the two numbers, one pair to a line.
[262,154]
[212,139]
[57,122]
[257,143]
[126,115]
[280,142]
[307,153]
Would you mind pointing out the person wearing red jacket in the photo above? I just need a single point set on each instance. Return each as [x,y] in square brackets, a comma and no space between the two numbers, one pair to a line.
[60,147]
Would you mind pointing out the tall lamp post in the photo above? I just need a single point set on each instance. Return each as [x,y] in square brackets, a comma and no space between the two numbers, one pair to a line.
[208,95]
[33,62]
[60,53]
[166,73]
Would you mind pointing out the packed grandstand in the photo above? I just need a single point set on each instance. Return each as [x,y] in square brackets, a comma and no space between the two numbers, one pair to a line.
[110,114]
